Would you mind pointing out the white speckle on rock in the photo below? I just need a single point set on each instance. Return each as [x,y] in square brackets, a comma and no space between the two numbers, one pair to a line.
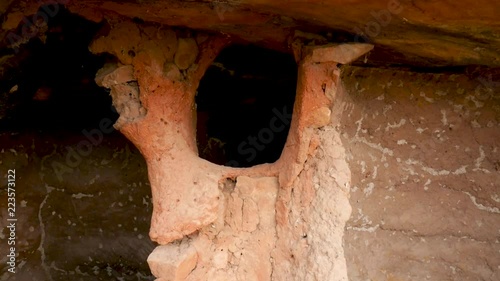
[475,124]
[444,120]
[81,195]
[429,100]
[369,189]
[461,170]
[420,130]
[395,125]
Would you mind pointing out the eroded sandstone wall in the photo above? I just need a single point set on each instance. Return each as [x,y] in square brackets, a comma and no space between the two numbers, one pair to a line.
[424,156]
[88,219]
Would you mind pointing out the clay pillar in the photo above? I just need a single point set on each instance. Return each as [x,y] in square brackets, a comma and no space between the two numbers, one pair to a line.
[279,221]
[153,87]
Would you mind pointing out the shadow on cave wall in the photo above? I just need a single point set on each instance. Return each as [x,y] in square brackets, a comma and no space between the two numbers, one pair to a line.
[82,193]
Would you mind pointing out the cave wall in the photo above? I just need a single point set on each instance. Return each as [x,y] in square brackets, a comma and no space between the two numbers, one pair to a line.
[422,151]
[424,155]
[413,155]
[86,221]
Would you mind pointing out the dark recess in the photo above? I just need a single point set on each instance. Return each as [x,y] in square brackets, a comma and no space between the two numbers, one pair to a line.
[63,71]
[244,104]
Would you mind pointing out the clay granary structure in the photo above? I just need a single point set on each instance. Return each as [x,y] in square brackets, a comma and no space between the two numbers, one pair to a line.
[250,140]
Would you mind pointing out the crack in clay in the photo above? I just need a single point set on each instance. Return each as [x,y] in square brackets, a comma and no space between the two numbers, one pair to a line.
[473,199]
[364,228]
[414,233]
[480,160]
[411,233]
[41,248]
[480,206]
[376,146]
[434,172]
[395,125]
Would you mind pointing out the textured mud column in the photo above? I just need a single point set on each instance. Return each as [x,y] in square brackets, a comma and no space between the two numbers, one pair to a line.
[313,206]
[270,222]
[153,88]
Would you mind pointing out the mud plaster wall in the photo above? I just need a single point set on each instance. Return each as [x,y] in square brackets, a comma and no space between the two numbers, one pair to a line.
[424,153]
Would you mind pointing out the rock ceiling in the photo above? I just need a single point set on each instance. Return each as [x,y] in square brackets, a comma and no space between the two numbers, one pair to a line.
[424,33]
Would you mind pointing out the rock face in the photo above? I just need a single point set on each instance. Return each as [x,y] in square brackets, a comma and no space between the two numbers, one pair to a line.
[425,33]
[424,156]
[79,217]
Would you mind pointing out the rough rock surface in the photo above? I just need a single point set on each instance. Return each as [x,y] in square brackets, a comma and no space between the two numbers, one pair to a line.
[426,33]
[124,91]
[91,223]
[424,153]
[186,53]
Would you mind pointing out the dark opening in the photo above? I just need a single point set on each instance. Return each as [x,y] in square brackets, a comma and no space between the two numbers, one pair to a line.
[244,105]
[51,81]
[84,185]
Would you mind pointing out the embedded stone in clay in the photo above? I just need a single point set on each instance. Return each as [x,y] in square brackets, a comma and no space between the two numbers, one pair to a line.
[124,90]
[111,75]
[173,261]
[187,51]
[171,71]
